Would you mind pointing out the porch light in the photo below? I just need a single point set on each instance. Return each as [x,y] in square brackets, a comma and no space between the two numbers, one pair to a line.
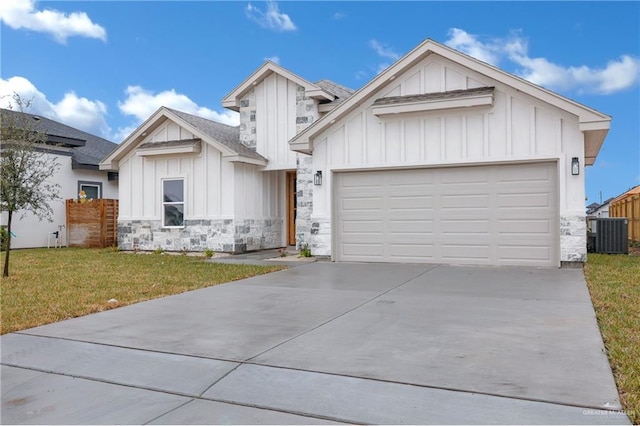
[575,166]
[317,178]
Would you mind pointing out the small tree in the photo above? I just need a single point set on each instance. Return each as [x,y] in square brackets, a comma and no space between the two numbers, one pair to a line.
[25,169]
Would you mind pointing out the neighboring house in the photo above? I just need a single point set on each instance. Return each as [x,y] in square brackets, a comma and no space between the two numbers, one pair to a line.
[599,210]
[79,154]
[440,158]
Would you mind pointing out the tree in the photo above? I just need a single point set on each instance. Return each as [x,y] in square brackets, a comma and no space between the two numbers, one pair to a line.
[26,167]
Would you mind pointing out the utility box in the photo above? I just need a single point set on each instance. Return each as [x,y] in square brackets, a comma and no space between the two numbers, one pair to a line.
[609,235]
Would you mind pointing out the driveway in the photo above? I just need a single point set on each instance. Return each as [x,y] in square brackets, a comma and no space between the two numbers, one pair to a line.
[327,342]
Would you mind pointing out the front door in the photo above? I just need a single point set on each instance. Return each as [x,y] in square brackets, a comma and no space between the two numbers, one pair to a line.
[291,208]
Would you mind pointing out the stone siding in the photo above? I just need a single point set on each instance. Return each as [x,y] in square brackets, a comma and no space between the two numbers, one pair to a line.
[320,236]
[573,239]
[304,196]
[226,235]
[306,114]
[306,110]
[248,119]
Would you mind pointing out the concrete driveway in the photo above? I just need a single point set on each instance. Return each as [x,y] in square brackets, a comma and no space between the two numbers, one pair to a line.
[323,343]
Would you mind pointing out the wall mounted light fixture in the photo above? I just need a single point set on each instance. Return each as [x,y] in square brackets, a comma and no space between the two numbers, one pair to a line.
[575,166]
[317,178]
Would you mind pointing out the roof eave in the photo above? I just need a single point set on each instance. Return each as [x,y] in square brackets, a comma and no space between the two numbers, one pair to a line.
[232,99]
[236,158]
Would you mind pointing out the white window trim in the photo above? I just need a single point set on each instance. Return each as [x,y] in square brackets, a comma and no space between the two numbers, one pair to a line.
[92,184]
[183,202]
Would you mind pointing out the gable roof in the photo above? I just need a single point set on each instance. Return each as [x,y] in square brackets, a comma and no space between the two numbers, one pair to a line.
[595,125]
[87,149]
[223,137]
[232,99]
[339,91]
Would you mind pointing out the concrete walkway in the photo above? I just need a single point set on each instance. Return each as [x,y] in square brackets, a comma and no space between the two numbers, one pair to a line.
[323,343]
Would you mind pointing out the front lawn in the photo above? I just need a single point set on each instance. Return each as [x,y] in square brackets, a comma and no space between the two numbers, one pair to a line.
[614,284]
[49,285]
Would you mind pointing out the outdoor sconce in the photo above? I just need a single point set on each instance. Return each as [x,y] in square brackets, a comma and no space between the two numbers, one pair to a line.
[575,166]
[317,178]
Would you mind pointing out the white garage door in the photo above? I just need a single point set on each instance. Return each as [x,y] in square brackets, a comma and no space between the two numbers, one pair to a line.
[487,215]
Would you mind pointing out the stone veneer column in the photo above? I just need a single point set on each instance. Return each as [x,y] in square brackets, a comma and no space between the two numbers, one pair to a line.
[306,114]
[304,196]
[573,239]
[248,119]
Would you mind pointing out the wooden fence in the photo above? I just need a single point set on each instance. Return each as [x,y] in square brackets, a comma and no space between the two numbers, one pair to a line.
[630,208]
[92,224]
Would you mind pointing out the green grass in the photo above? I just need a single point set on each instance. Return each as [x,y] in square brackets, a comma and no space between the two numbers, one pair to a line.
[49,285]
[614,284]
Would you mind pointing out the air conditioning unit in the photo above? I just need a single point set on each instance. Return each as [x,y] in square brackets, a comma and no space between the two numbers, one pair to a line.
[609,235]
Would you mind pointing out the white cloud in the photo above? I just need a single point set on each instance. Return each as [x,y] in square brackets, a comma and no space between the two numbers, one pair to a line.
[272,18]
[72,110]
[339,15]
[23,14]
[618,75]
[141,103]
[383,50]
[469,44]
[275,59]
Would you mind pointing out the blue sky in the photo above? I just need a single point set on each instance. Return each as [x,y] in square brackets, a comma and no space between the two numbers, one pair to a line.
[105,66]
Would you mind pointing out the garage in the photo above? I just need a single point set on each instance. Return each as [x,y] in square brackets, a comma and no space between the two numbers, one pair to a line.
[483,215]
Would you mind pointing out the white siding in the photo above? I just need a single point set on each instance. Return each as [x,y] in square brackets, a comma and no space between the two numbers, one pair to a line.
[276,121]
[214,188]
[257,193]
[209,180]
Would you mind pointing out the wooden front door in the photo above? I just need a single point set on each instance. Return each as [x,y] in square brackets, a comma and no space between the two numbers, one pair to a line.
[291,208]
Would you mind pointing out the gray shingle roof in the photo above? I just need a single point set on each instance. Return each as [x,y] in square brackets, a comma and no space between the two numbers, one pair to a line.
[94,149]
[228,136]
[341,92]
[451,94]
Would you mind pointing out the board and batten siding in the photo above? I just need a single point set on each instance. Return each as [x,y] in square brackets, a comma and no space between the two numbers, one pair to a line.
[516,128]
[276,108]
[210,183]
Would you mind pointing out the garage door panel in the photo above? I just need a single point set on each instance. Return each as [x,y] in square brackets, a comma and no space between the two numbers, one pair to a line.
[413,226]
[464,201]
[363,250]
[465,226]
[362,180]
[540,199]
[464,176]
[362,203]
[524,253]
[362,226]
[411,252]
[526,173]
[524,227]
[487,215]
[404,202]
[465,253]
[408,178]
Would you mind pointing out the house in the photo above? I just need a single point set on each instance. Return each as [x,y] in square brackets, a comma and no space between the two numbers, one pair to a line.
[440,158]
[78,153]
[599,210]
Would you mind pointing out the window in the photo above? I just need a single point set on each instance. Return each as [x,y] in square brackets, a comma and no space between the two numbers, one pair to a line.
[173,202]
[91,189]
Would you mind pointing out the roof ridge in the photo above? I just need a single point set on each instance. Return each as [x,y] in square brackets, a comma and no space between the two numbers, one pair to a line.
[342,86]
[202,118]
